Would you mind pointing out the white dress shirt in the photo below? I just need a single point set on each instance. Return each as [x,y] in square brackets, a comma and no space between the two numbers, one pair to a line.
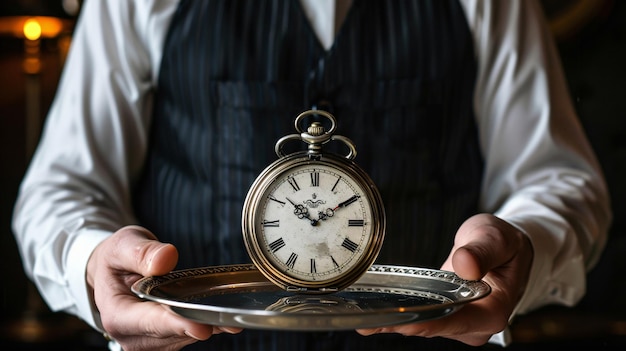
[541,174]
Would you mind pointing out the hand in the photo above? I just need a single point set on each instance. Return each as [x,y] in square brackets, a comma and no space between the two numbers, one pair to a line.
[302,211]
[119,261]
[487,248]
[329,212]
[352,199]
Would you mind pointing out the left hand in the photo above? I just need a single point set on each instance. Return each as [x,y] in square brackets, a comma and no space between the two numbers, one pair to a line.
[488,248]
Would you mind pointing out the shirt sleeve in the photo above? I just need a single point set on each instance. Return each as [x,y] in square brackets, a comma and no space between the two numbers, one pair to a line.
[76,191]
[541,173]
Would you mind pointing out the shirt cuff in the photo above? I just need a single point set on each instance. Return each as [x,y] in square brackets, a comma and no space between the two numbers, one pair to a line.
[502,338]
[557,271]
[76,270]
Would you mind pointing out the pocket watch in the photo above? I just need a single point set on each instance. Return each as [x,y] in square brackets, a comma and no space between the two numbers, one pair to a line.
[313,221]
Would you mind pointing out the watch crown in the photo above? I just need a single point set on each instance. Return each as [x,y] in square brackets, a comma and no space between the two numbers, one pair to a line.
[315,129]
[316,135]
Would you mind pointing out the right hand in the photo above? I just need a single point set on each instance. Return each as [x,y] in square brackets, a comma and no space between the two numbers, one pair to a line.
[119,261]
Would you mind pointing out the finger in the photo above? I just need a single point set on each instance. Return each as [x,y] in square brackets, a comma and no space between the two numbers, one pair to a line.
[470,265]
[460,326]
[370,331]
[157,321]
[127,255]
[137,250]
[482,243]
[229,330]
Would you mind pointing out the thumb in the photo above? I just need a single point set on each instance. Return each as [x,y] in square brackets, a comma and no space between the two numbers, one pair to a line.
[468,262]
[482,243]
[137,250]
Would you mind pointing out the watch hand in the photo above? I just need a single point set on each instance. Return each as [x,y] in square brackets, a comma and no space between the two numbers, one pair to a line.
[331,211]
[302,211]
[352,199]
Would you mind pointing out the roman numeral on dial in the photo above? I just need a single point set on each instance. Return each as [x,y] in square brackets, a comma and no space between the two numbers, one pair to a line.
[349,244]
[315,178]
[356,222]
[291,261]
[275,223]
[293,183]
[275,199]
[277,244]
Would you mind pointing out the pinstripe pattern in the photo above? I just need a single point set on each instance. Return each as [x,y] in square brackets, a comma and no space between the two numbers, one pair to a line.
[235,73]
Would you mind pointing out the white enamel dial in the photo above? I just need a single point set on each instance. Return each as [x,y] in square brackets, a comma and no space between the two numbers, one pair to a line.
[314,222]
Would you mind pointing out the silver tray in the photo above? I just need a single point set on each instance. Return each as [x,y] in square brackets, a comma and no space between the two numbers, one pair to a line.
[240,296]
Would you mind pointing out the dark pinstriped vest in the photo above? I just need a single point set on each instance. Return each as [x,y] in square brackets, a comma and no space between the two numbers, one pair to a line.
[234,75]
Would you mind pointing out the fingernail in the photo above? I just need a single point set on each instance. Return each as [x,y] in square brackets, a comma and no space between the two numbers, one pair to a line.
[191,335]
[368,332]
[231,330]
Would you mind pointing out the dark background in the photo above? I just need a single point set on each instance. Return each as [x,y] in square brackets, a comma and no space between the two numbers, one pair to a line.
[591,36]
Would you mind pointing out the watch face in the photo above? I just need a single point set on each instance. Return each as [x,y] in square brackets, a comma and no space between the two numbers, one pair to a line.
[316,222]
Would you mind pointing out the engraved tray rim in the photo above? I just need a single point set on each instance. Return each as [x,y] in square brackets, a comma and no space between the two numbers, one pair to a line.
[399,282]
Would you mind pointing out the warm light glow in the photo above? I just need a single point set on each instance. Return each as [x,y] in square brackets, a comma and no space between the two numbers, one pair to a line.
[32,29]
[28,27]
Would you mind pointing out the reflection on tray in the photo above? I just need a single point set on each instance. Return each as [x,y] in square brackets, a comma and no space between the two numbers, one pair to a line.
[314,304]
[351,300]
